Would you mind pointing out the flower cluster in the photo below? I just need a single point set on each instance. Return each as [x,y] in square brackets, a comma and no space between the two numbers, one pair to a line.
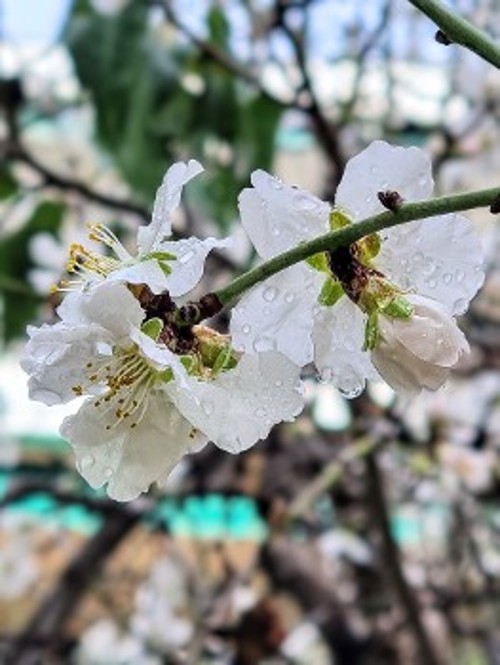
[158,384]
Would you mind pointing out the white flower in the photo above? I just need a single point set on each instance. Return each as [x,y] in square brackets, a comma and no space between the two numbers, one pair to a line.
[147,409]
[104,643]
[176,266]
[304,311]
[418,352]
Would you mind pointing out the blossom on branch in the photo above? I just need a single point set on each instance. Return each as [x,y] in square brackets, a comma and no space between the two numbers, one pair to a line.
[155,390]
[176,265]
[384,305]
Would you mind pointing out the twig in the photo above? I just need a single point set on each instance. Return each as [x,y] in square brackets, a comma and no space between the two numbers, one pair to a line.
[392,563]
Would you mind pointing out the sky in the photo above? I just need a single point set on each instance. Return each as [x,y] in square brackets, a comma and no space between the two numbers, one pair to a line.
[32,21]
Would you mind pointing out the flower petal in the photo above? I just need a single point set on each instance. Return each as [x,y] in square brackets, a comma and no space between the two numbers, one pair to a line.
[382,167]
[167,199]
[278,315]
[143,272]
[278,217]
[129,460]
[439,257]
[338,337]
[241,405]
[109,305]
[187,269]
[56,358]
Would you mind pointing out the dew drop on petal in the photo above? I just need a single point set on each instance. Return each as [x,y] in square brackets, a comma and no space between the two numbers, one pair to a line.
[275,230]
[276,184]
[269,293]
[186,257]
[369,198]
[245,328]
[431,283]
[385,185]
[447,278]
[373,169]
[87,461]
[289,297]
[207,407]
[459,275]
[108,472]
[278,383]
[304,202]
[349,385]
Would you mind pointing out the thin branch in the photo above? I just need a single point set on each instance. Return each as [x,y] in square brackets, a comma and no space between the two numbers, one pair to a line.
[392,563]
[457,30]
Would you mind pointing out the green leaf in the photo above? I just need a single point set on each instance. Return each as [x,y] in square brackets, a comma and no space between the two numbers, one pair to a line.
[319,262]
[339,219]
[331,292]
[20,302]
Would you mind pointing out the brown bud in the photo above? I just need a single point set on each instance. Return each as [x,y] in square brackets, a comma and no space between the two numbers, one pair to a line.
[495,205]
[210,305]
[441,38]
[390,200]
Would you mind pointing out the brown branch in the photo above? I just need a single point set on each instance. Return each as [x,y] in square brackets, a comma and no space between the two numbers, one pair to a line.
[392,562]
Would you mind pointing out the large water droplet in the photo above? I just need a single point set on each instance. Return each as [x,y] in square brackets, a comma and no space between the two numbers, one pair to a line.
[186,257]
[86,462]
[269,293]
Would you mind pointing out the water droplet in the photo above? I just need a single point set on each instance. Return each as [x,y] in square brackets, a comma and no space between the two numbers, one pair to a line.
[87,461]
[305,202]
[349,344]
[326,374]
[447,278]
[276,184]
[261,412]
[207,407]
[269,293]
[262,343]
[369,198]
[245,328]
[478,267]
[423,179]
[431,283]
[373,169]
[275,230]
[108,472]
[384,185]
[186,257]
[289,297]
[278,383]
[405,263]
[459,275]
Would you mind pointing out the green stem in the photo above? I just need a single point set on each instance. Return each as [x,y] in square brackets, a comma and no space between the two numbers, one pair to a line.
[346,236]
[460,31]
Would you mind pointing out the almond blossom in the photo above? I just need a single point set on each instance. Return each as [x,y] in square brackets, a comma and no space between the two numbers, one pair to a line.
[382,307]
[154,392]
[176,265]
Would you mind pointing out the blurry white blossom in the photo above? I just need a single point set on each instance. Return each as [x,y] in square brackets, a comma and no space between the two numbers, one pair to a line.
[104,643]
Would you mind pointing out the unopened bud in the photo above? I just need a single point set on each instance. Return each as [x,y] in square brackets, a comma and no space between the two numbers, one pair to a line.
[390,200]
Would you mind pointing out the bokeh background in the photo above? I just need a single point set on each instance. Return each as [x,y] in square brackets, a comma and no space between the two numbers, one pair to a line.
[368,531]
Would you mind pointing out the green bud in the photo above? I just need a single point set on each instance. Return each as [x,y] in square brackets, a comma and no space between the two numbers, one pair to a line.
[152,328]
[331,292]
[399,308]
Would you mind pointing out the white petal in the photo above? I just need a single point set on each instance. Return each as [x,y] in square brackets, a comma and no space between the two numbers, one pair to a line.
[278,217]
[338,337]
[167,199]
[407,378]
[440,257]
[382,167]
[110,305]
[241,405]
[56,359]
[187,269]
[143,272]
[278,315]
[129,460]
